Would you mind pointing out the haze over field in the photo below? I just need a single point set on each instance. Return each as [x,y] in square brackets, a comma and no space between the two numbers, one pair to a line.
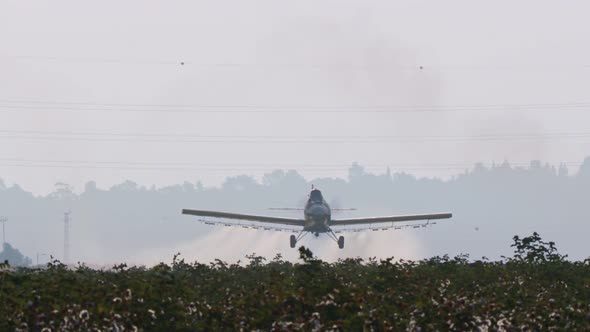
[142,225]
[162,93]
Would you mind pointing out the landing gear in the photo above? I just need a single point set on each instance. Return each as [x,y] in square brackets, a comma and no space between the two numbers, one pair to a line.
[337,239]
[294,239]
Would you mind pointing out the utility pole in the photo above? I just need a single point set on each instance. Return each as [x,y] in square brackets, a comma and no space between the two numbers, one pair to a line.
[40,255]
[3,220]
[67,237]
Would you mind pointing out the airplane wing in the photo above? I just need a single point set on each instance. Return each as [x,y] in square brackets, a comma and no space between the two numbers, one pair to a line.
[392,219]
[246,217]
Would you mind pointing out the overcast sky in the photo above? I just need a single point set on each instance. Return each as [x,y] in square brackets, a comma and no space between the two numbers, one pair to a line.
[103,90]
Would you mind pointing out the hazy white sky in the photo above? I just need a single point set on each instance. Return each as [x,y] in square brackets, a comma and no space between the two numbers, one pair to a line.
[97,91]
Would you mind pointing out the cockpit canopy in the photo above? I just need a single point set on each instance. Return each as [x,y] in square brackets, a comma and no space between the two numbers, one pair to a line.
[316,196]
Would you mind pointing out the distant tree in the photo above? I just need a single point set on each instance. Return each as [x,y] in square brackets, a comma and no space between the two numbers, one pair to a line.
[562,171]
[127,186]
[90,187]
[188,187]
[585,168]
[239,183]
[281,179]
[356,172]
[14,256]
[63,191]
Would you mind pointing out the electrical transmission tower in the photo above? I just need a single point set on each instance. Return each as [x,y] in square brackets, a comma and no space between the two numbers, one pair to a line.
[67,237]
[3,220]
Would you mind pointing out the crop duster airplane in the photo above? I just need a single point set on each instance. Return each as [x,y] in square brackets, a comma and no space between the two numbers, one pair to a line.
[318,219]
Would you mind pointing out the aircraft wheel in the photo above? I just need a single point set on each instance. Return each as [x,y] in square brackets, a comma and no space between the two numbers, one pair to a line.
[293,241]
[341,242]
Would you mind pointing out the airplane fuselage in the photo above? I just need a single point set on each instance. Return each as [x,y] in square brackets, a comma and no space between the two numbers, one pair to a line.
[317,214]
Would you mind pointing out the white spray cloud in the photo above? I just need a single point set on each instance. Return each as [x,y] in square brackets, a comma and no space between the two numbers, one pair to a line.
[232,245]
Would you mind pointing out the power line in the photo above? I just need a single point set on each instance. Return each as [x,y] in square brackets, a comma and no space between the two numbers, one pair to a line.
[191,169]
[263,165]
[87,103]
[146,166]
[312,139]
[67,237]
[13,105]
[95,60]
[327,66]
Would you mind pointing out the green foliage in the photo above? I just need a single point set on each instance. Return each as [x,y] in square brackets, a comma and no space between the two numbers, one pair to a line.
[532,249]
[306,255]
[535,290]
